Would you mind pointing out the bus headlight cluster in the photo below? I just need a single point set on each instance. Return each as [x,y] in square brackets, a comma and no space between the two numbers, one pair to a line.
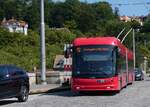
[77,88]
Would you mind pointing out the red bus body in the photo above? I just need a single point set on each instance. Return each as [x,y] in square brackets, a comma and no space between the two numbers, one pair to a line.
[114,83]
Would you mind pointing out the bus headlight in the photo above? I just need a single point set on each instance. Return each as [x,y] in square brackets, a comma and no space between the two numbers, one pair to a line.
[77,88]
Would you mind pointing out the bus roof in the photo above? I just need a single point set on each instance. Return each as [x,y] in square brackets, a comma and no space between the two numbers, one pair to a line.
[95,41]
[103,41]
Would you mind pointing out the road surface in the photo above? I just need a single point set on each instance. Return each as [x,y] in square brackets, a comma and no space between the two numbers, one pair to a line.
[136,95]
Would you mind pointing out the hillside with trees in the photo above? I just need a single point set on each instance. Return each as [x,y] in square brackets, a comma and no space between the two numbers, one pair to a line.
[64,22]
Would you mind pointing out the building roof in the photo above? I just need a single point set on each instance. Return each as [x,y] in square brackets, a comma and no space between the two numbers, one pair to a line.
[125,18]
[13,21]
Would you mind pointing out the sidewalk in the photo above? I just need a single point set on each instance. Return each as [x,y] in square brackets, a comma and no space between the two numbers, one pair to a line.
[37,89]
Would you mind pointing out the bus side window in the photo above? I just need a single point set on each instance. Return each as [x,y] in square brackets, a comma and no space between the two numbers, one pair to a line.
[118,63]
[114,56]
[121,63]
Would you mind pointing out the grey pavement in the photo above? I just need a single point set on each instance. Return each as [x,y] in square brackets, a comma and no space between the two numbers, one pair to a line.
[39,88]
[135,95]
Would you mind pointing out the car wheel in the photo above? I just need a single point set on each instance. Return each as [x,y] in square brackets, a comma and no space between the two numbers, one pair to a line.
[24,93]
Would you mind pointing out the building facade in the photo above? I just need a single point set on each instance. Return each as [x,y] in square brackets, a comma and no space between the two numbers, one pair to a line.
[14,25]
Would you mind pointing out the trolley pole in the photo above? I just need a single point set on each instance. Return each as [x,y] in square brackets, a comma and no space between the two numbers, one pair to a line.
[42,43]
[134,49]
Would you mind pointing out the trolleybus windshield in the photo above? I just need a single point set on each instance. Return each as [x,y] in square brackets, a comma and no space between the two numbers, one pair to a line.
[93,61]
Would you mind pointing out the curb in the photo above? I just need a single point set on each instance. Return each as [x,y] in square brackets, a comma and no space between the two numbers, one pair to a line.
[47,90]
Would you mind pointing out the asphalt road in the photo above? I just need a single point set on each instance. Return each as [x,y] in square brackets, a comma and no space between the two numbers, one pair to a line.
[136,95]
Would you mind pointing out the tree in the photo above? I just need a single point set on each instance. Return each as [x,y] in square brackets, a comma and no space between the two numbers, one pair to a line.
[135,24]
[86,19]
[114,27]
[146,26]
[48,10]
[104,11]
[33,15]
[64,12]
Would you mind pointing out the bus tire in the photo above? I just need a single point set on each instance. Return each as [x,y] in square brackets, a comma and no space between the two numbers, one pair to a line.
[120,83]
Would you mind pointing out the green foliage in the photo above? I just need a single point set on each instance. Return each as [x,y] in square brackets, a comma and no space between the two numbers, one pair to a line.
[78,17]
[33,15]
[18,49]
[51,52]
[86,19]
[66,20]
[70,24]
[104,11]
[135,24]
[146,26]
[113,27]
[24,51]
[59,36]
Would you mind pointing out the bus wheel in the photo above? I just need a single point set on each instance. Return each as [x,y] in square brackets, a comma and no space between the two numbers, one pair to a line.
[120,85]
[83,92]
[125,86]
[126,83]
[117,92]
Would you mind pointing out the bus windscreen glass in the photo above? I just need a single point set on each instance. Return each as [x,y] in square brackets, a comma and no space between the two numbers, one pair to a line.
[93,61]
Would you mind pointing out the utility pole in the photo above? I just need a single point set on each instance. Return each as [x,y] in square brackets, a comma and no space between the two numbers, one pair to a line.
[145,64]
[134,49]
[42,41]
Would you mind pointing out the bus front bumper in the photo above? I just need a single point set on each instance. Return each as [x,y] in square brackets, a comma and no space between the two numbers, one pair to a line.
[76,88]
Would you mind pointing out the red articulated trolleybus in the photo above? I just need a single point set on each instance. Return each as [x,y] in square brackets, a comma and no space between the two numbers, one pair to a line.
[100,64]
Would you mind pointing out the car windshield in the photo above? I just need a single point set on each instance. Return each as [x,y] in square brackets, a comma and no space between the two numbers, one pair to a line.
[93,61]
[137,71]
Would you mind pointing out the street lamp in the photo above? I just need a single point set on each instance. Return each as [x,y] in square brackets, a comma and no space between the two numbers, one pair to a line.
[42,42]
[134,49]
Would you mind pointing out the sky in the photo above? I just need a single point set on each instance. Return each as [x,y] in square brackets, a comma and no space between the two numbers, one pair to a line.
[127,7]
